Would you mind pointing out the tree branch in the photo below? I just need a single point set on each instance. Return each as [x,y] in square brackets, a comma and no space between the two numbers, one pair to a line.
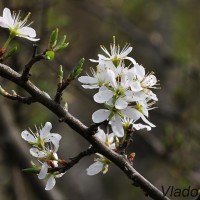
[16,97]
[62,85]
[75,124]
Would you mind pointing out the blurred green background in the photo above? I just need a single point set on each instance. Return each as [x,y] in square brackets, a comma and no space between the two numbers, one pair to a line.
[165,39]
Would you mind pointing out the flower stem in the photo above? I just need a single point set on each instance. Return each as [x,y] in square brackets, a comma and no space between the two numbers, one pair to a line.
[7,41]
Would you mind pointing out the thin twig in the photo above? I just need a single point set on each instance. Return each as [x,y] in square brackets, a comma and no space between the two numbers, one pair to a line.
[125,142]
[16,97]
[73,161]
[35,58]
[61,87]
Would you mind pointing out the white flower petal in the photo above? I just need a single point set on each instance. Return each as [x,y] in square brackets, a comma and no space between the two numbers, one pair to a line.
[95,168]
[26,135]
[133,97]
[125,53]
[136,86]
[149,81]
[100,115]
[53,136]
[2,23]
[103,96]
[147,121]
[131,113]
[131,59]
[101,57]
[8,17]
[112,146]
[27,31]
[126,80]
[37,153]
[151,95]
[90,86]
[29,38]
[43,171]
[101,135]
[55,139]
[50,183]
[139,71]
[88,80]
[121,104]
[103,88]
[45,131]
[110,78]
[141,126]
[92,60]
[116,124]
[59,175]
[140,96]
[111,138]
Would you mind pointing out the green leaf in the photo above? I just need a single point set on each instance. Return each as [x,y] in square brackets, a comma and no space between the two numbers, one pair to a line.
[49,55]
[53,39]
[62,44]
[60,74]
[31,170]
[77,70]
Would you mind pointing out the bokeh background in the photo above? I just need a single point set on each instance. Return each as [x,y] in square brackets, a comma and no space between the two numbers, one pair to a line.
[165,39]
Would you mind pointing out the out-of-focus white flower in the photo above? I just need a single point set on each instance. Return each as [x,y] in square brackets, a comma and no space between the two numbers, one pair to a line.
[42,136]
[17,26]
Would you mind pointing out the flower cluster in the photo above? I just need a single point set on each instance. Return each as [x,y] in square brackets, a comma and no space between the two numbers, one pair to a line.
[125,91]
[45,146]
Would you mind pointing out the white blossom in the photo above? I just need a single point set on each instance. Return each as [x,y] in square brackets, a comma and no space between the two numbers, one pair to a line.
[101,163]
[127,122]
[99,78]
[45,146]
[42,136]
[51,180]
[115,55]
[107,139]
[17,26]
[144,82]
